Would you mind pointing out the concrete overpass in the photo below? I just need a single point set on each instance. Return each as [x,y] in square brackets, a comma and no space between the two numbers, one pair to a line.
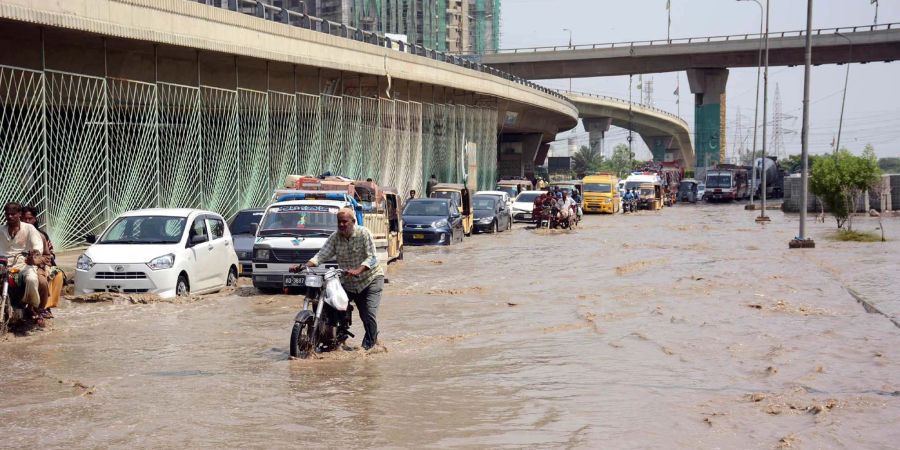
[706,61]
[666,134]
[830,46]
[110,105]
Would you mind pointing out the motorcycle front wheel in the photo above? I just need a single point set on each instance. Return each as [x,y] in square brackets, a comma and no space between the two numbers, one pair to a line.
[303,340]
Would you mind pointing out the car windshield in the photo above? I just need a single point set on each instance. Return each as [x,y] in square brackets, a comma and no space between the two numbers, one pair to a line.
[241,222]
[485,203]
[145,230]
[299,220]
[527,197]
[603,188]
[452,195]
[511,190]
[719,181]
[426,208]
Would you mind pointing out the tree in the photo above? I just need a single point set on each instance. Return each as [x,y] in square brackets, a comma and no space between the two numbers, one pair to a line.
[889,165]
[621,160]
[586,160]
[841,178]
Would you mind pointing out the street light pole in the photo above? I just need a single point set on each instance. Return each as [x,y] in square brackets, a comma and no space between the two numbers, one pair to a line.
[570,48]
[801,241]
[750,204]
[837,145]
[762,185]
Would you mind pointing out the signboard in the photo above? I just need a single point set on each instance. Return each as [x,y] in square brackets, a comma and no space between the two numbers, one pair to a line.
[559,164]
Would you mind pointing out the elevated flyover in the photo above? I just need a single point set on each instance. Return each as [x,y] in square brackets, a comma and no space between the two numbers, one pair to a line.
[113,105]
[830,46]
[667,135]
[706,60]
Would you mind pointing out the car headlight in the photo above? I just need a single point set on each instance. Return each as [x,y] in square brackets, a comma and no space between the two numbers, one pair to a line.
[441,224]
[261,254]
[486,220]
[84,263]
[162,262]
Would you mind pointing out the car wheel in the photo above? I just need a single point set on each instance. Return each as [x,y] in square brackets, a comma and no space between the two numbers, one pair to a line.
[494,227]
[232,280]
[182,287]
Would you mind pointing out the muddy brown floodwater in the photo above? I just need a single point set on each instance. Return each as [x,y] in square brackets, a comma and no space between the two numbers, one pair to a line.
[692,327]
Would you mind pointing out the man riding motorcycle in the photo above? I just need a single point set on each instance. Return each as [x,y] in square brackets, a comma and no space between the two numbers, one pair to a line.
[566,208]
[18,239]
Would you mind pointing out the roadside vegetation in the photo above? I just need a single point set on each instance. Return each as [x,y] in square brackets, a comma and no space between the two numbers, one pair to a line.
[856,236]
[840,180]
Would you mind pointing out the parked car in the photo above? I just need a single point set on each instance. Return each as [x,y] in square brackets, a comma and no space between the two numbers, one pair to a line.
[243,233]
[701,191]
[432,221]
[524,205]
[504,199]
[167,252]
[491,214]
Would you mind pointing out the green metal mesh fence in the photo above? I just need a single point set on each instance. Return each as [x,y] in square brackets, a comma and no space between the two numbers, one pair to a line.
[84,149]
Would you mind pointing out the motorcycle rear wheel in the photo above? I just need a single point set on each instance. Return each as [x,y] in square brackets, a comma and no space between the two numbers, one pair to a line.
[303,340]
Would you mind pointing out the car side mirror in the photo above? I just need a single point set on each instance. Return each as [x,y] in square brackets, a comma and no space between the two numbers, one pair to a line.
[254,228]
[90,238]
[197,239]
[454,215]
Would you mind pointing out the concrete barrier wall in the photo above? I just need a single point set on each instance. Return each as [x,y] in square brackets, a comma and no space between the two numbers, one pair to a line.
[891,192]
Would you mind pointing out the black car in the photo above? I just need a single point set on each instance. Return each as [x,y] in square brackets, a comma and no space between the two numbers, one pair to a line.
[490,214]
[431,221]
[243,234]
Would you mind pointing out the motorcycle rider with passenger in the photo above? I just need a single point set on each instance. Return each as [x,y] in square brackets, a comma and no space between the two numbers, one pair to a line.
[22,246]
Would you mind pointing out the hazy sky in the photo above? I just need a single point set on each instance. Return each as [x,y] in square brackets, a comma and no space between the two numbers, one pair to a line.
[872,113]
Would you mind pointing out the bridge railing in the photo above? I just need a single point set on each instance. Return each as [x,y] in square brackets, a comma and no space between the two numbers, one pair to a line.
[626,102]
[696,40]
[268,11]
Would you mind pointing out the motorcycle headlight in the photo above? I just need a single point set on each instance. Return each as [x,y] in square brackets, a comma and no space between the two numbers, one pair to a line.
[162,262]
[261,254]
[441,224]
[84,263]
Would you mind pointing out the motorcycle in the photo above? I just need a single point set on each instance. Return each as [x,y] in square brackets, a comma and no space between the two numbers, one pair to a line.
[319,326]
[12,289]
[629,206]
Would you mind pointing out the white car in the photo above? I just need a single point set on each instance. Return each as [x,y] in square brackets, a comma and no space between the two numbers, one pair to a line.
[523,205]
[504,198]
[701,191]
[167,252]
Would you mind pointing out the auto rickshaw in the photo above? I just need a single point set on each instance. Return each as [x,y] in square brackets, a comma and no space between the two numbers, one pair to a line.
[462,197]
[687,190]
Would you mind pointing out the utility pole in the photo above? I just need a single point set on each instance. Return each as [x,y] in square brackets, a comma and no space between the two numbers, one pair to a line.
[801,241]
[762,186]
[750,204]
[875,2]
[570,48]
[837,144]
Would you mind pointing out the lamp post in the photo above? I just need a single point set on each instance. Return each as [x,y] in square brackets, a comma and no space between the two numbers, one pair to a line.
[801,241]
[570,48]
[837,145]
[762,185]
[750,204]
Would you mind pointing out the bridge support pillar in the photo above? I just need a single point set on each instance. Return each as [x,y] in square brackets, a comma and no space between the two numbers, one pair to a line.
[517,153]
[596,128]
[658,146]
[708,87]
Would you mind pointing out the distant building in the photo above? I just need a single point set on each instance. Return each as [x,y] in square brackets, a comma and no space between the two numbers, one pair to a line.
[456,26]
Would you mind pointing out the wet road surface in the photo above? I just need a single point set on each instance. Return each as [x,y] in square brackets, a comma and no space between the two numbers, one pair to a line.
[692,327]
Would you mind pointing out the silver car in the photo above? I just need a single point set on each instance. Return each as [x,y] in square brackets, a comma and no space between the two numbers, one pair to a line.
[243,234]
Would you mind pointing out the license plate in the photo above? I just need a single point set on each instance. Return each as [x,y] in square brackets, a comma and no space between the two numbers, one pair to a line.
[418,236]
[294,280]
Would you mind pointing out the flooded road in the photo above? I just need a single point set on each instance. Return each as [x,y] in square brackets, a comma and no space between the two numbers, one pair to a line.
[692,327]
